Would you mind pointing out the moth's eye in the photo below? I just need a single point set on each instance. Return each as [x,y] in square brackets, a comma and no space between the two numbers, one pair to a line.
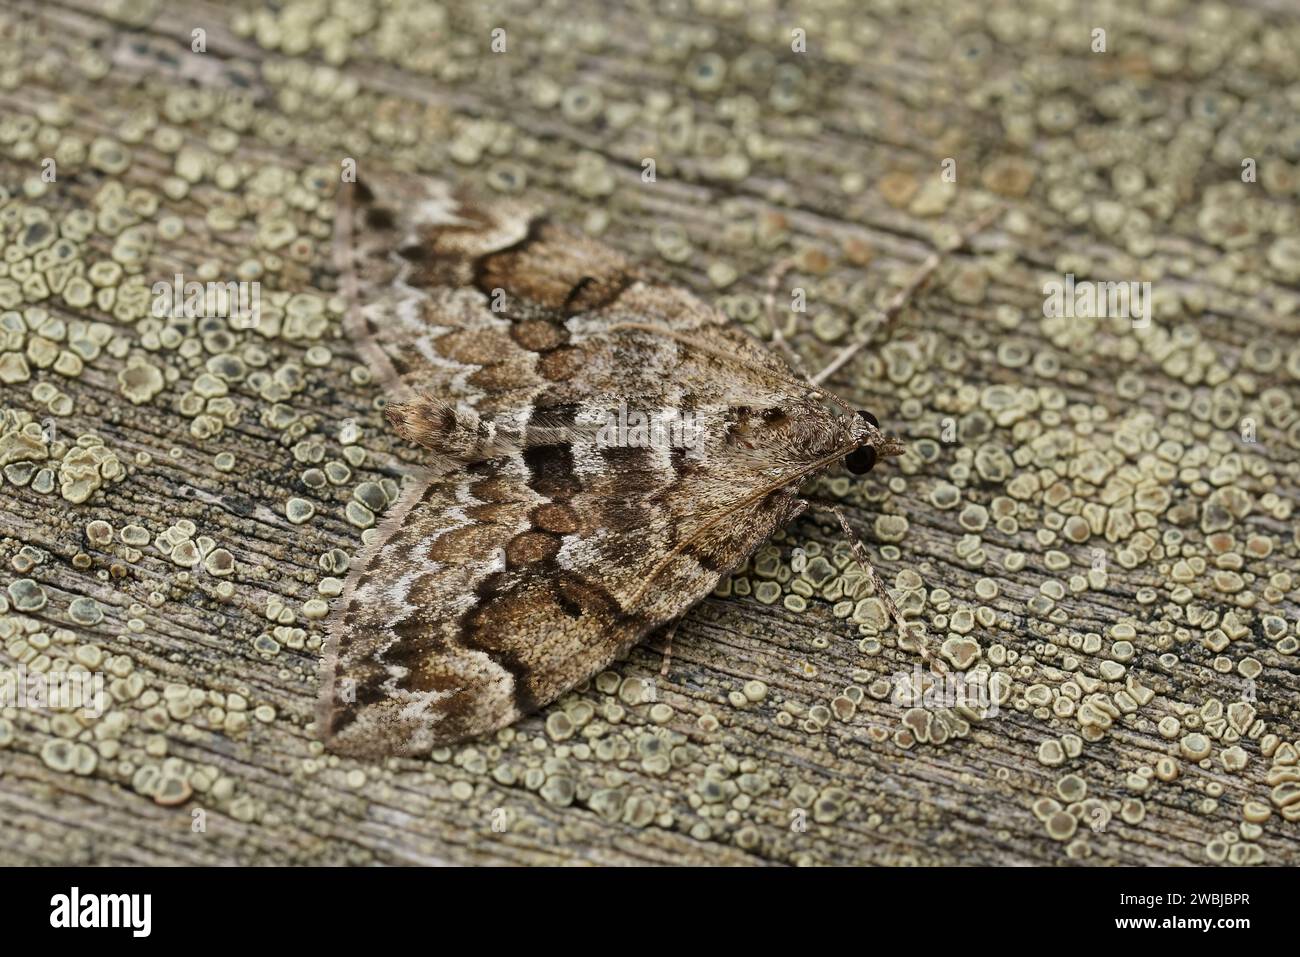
[868,417]
[860,461]
[377,217]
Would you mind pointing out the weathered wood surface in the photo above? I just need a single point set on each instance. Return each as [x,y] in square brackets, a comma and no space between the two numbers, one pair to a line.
[1122,165]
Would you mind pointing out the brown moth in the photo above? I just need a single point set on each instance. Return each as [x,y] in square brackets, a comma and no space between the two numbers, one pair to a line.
[540,544]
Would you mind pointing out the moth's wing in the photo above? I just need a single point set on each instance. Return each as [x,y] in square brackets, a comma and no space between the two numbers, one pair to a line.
[422,263]
[492,590]
[484,303]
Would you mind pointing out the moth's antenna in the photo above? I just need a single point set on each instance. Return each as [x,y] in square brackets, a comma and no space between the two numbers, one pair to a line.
[904,295]
[346,252]
[778,270]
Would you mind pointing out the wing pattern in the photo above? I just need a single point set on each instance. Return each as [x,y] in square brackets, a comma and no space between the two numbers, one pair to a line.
[495,585]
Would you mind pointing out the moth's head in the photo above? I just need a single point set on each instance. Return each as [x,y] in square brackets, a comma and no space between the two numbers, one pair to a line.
[804,431]
[873,445]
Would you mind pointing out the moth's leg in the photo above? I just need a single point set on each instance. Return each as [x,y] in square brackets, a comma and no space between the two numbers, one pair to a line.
[860,555]
[904,295]
[667,650]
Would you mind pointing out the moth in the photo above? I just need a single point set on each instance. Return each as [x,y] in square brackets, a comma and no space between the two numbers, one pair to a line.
[531,551]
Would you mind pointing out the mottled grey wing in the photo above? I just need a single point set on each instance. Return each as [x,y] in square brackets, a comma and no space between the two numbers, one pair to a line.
[494,586]
[486,304]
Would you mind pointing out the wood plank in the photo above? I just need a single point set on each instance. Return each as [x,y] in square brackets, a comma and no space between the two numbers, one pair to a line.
[1136,441]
